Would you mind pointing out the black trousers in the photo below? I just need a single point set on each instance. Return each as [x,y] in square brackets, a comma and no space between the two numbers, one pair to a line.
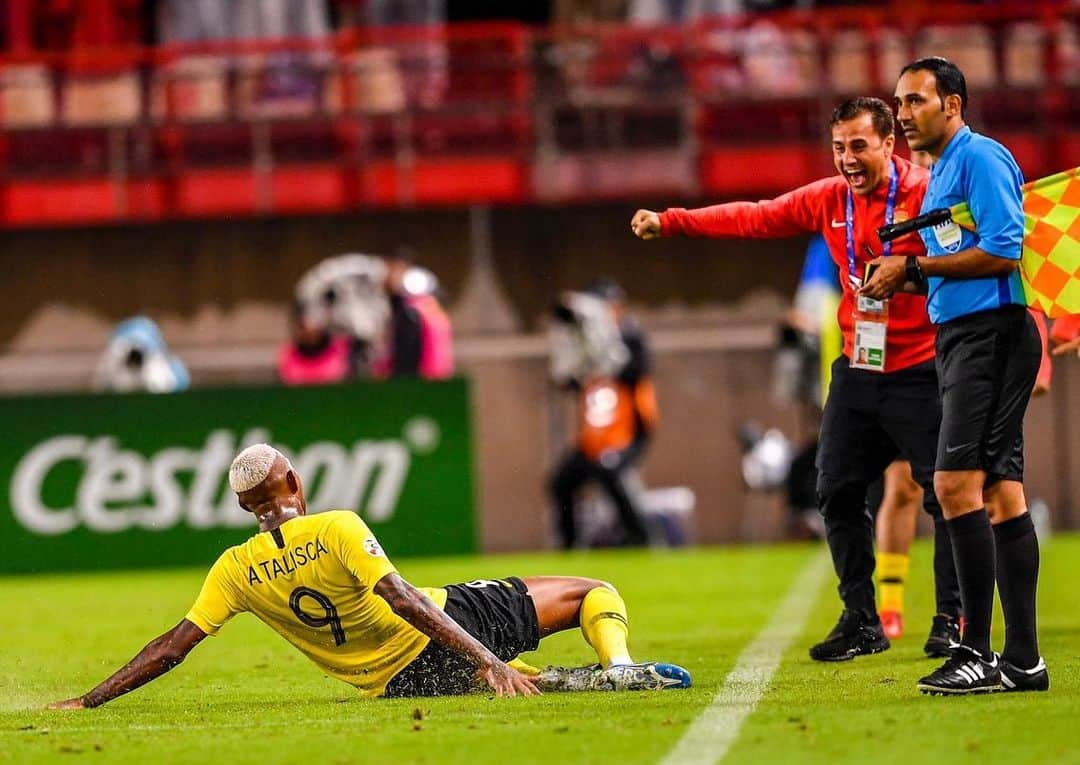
[871,419]
[575,470]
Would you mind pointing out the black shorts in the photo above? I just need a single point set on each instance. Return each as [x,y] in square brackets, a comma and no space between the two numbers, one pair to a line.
[871,419]
[497,612]
[987,362]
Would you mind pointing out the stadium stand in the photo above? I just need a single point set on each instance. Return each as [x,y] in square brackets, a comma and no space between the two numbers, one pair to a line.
[96,126]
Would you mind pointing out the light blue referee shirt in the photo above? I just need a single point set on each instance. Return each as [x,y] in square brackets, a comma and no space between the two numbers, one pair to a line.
[980,171]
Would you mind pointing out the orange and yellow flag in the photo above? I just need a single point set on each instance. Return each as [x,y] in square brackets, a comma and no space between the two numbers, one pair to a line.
[1050,264]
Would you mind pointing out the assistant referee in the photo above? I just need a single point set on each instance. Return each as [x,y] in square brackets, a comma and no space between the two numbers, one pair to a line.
[988,354]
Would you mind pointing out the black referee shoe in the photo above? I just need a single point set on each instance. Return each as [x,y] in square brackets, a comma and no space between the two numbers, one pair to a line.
[965,672]
[854,635]
[1016,679]
[944,637]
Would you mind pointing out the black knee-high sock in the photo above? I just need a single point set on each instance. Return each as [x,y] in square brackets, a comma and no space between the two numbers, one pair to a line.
[946,587]
[1017,580]
[973,551]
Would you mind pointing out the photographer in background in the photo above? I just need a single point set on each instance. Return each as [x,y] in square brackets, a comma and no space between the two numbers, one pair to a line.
[313,355]
[599,353]
[389,310]
[137,359]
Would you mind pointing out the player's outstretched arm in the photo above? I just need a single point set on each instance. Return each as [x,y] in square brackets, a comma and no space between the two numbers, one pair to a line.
[158,656]
[419,611]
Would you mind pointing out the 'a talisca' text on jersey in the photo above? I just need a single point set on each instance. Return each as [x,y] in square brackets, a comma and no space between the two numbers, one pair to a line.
[311,581]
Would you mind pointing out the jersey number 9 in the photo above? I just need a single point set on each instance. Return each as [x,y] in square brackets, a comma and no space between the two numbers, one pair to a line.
[329,616]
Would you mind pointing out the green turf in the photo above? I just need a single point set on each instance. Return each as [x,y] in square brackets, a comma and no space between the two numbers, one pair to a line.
[247,696]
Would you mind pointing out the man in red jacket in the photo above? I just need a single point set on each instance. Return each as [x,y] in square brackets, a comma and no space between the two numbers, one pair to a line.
[883,401]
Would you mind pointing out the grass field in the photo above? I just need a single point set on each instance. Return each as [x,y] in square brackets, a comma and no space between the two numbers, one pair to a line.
[246,696]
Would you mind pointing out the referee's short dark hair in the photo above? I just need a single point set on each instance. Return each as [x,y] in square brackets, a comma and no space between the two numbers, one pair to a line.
[950,80]
[879,111]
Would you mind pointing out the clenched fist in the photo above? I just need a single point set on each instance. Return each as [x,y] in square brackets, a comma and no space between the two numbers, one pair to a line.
[645,224]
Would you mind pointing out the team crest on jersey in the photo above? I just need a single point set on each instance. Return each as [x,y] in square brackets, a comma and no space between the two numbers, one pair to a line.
[372,548]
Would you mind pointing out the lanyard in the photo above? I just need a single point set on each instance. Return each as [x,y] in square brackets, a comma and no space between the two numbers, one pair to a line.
[849,220]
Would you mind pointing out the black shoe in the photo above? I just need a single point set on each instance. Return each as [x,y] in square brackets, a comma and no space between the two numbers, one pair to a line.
[854,635]
[1016,679]
[944,637]
[965,672]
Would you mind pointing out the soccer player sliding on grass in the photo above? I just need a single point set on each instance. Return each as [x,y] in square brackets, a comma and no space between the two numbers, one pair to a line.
[324,584]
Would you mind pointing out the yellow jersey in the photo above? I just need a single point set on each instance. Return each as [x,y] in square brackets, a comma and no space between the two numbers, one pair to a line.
[311,581]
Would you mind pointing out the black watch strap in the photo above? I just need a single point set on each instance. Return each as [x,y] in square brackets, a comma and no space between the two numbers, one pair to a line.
[912,271]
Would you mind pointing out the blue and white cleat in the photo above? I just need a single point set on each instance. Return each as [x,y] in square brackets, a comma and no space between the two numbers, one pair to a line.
[651,676]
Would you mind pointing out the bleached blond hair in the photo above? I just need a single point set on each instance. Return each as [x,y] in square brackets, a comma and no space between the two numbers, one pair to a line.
[251,466]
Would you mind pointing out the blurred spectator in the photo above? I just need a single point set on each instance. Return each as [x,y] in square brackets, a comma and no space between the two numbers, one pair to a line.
[598,352]
[192,87]
[193,21]
[92,92]
[61,25]
[584,12]
[276,84]
[759,58]
[416,58]
[137,359]
[314,355]
[281,83]
[421,341]
[676,11]
[662,12]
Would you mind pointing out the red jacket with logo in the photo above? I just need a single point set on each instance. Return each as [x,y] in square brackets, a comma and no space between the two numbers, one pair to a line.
[821,207]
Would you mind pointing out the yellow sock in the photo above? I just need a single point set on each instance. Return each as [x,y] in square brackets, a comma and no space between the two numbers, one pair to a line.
[605,626]
[892,571]
[523,667]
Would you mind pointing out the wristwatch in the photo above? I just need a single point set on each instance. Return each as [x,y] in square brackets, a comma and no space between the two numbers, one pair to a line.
[913,272]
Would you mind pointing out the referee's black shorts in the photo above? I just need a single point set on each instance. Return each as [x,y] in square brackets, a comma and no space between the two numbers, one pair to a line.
[873,418]
[497,612]
[987,362]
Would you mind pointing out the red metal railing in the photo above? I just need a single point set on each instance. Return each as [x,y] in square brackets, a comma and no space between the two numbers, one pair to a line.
[499,113]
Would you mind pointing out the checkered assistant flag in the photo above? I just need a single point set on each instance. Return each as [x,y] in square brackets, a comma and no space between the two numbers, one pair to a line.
[1050,264]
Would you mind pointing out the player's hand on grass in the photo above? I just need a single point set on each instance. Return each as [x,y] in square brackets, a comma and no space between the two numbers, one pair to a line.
[77,703]
[645,224]
[1069,347]
[507,681]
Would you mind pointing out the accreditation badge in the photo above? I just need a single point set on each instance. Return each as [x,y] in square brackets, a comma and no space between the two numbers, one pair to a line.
[871,320]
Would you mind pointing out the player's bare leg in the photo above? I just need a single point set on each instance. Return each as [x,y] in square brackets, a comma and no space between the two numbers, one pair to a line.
[895,532]
[596,607]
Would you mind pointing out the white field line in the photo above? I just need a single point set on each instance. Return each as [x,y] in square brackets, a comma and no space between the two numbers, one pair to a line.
[709,737]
